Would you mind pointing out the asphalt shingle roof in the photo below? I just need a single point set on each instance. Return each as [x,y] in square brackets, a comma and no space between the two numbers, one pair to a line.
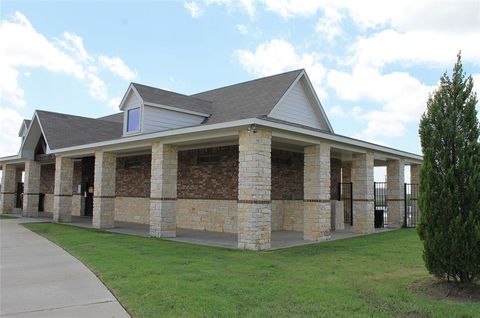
[249,99]
[240,101]
[62,130]
[167,98]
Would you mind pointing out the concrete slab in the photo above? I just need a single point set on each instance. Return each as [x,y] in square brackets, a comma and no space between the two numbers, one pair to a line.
[39,279]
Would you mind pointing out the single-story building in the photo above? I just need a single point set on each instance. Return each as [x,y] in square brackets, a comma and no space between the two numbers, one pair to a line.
[248,159]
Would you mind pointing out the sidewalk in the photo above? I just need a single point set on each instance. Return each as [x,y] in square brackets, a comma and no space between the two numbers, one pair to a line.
[39,279]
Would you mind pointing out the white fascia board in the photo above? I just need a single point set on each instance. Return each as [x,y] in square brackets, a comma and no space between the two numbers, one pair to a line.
[35,117]
[11,159]
[318,101]
[145,139]
[342,140]
[176,109]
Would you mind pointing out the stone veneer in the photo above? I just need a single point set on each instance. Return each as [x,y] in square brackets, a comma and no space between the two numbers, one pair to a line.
[104,190]
[395,192]
[163,190]
[254,189]
[132,209]
[362,179]
[317,206]
[8,196]
[31,190]
[62,207]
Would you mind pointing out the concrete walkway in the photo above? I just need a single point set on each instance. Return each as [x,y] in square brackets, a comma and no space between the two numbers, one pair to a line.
[39,279]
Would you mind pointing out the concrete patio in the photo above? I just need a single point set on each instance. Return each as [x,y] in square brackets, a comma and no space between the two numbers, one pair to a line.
[279,239]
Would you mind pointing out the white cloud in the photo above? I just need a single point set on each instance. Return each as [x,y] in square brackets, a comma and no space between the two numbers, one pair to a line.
[117,66]
[114,102]
[329,25]
[337,111]
[277,56]
[10,121]
[292,8]
[403,98]
[242,28]
[193,8]
[23,46]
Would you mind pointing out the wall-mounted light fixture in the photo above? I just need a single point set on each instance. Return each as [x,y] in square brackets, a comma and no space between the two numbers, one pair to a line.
[252,129]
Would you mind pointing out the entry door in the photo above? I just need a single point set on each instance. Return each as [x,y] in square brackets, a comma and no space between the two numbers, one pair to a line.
[88,194]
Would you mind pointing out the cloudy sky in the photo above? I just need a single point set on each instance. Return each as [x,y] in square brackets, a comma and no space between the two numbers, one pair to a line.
[373,63]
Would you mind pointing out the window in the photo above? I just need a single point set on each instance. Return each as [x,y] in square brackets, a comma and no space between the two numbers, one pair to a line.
[208,159]
[133,119]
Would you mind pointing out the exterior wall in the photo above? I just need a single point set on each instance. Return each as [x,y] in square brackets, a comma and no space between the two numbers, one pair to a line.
[287,175]
[335,177]
[158,119]
[77,205]
[130,209]
[132,101]
[77,176]
[133,176]
[7,195]
[47,179]
[297,107]
[31,190]
[287,215]
[207,215]
[48,203]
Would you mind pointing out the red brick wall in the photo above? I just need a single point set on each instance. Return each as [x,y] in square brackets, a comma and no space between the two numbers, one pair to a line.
[133,180]
[208,181]
[47,179]
[287,175]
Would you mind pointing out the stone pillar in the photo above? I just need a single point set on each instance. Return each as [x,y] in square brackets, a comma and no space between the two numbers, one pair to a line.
[163,191]
[254,189]
[395,192]
[316,189]
[363,193]
[338,217]
[8,193]
[62,204]
[414,174]
[104,190]
[31,188]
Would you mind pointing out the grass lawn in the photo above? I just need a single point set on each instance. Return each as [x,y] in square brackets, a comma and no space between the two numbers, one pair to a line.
[362,277]
[6,216]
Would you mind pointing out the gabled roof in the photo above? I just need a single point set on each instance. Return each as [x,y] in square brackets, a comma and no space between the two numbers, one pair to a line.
[24,127]
[160,97]
[62,130]
[249,99]
[116,118]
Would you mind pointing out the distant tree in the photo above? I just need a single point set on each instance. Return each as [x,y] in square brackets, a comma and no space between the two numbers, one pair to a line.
[449,197]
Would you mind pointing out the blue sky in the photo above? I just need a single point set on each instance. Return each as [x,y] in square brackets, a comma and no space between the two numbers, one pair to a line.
[372,63]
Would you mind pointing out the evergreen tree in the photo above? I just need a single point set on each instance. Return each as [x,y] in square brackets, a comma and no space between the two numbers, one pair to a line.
[449,197]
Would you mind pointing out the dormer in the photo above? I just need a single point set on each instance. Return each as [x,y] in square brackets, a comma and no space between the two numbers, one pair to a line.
[147,109]
[24,129]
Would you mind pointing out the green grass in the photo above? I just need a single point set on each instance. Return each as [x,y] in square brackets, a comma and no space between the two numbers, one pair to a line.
[5,216]
[362,277]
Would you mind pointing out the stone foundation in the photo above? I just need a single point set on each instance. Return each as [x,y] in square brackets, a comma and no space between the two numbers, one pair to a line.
[287,215]
[77,202]
[132,209]
[207,215]
[48,203]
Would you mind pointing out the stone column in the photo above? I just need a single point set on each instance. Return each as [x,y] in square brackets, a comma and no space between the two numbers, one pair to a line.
[395,192]
[31,188]
[414,174]
[254,189]
[363,193]
[8,193]
[62,204]
[163,191]
[316,189]
[104,190]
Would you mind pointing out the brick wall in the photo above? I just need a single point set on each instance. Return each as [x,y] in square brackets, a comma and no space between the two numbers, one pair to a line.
[133,176]
[287,175]
[335,177]
[214,180]
[77,176]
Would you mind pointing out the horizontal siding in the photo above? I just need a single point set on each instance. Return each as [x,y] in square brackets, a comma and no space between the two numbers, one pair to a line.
[158,119]
[132,101]
[297,108]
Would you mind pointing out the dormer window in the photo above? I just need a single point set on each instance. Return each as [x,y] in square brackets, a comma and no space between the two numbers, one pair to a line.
[133,120]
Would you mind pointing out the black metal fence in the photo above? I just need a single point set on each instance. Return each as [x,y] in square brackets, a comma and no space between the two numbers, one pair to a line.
[345,195]
[380,204]
[412,214]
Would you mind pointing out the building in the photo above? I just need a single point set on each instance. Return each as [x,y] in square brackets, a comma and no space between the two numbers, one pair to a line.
[249,158]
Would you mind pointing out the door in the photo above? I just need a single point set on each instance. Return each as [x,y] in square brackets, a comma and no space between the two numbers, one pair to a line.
[88,194]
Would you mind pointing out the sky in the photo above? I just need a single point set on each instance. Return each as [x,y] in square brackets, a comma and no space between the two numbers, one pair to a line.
[373,63]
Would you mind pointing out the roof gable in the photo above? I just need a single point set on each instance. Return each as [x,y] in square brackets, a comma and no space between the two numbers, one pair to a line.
[300,105]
